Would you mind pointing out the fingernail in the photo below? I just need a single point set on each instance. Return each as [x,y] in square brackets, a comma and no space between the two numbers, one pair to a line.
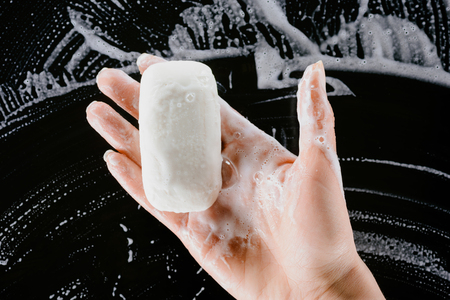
[103,69]
[87,108]
[141,58]
[105,156]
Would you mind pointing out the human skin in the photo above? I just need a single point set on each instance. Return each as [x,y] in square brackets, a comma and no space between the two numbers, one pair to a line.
[279,228]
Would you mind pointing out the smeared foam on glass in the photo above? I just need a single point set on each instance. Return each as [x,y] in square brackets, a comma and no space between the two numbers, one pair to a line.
[391,45]
[384,37]
[40,86]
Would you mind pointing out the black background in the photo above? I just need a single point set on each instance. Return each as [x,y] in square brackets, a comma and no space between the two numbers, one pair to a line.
[67,224]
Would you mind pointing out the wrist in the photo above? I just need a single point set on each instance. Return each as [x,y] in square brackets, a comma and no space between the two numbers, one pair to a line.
[355,283]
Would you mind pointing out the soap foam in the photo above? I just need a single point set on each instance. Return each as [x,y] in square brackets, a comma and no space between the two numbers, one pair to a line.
[401,250]
[245,208]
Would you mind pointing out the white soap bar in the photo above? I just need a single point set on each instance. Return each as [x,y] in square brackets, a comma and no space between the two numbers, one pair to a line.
[180,137]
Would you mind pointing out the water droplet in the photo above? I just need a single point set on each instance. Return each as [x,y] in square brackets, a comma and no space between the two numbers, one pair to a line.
[258,177]
[229,173]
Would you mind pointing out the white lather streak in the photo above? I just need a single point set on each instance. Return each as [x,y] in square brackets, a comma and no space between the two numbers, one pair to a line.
[274,14]
[401,250]
[408,166]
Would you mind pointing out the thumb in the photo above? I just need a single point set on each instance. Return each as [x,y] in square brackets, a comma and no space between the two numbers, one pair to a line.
[314,111]
[316,118]
[315,183]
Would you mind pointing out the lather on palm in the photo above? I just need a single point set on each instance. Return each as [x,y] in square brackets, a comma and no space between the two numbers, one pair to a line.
[279,228]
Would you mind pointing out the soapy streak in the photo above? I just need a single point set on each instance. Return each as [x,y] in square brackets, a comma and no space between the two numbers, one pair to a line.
[340,89]
[403,251]
[47,84]
[35,204]
[385,219]
[384,194]
[408,166]
[275,16]
[36,83]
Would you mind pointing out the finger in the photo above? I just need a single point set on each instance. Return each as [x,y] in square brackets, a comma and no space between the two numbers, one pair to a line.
[233,124]
[146,60]
[121,88]
[239,136]
[314,192]
[314,111]
[317,136]
[129,176]
[118,132]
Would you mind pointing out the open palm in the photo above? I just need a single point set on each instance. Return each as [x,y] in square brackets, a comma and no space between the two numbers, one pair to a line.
[279,228]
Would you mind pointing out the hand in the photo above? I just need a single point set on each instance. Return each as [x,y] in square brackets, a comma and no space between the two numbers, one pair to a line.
[279,228]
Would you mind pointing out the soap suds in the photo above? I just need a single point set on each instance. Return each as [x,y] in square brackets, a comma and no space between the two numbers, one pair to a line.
[401,250]
[239,227]
[253,30]
[385,194]
[408,166]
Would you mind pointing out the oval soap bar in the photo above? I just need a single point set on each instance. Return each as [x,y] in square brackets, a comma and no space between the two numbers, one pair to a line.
[180,137]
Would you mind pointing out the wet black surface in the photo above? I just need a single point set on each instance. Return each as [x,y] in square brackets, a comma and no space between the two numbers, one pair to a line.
[69,231]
